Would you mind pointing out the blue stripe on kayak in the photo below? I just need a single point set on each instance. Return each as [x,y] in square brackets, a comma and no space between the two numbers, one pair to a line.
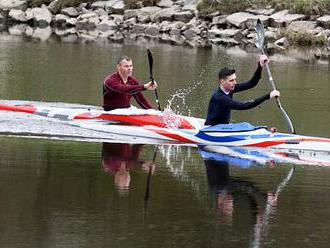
[232,138]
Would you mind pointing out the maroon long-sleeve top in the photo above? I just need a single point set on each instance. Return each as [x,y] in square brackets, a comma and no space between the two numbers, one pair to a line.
[117,94]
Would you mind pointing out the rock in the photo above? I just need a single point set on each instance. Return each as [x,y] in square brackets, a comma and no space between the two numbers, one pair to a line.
[106,34]
[29,15]
[61,19]
[130,13]
[324,21]
[129,22]
[54,7]
[251,22]
[17,15]
[152,30]
[219,20]
[108,5]
[42,34]
[164,14]
[42,16]
[87,16]
[64,32]
[117,8]
[138,28]
[116,37]
[117,18]
[282,43]
[106,25]
[165,3]
[71,22]
[302,26]
[71,38]
[239,19]
[185,16]
[175,31]
[283,18]
[87,21]
[71,11]
[224,41]
[190,34]
[13,4]
[222,32]
[145,14]
[18,29]
[190,7]
[98,4]
[101,12]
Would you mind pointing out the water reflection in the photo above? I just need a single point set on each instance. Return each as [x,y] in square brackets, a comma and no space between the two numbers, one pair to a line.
[120,159]
[234,194]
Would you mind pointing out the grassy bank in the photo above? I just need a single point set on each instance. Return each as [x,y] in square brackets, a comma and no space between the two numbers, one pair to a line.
[308,7]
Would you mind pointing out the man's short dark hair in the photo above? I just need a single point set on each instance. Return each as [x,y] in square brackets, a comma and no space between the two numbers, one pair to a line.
[124,57]
[225,72]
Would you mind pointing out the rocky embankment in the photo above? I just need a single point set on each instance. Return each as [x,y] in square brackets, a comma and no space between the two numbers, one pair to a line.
[173,21]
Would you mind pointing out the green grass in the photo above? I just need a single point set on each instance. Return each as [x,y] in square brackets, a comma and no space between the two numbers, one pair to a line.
[308,7]
[303,39]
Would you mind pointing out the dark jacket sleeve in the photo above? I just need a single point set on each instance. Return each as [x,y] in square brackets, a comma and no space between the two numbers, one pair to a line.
[236,105]
[251,83]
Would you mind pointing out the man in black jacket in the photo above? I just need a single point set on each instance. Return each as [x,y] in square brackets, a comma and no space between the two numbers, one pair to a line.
[222,102]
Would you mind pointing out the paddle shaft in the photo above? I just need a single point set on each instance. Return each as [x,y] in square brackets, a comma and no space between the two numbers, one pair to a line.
[261,44]
[151,62]
[272,83]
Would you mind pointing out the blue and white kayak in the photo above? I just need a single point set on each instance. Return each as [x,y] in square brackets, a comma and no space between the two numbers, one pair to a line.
[240,134]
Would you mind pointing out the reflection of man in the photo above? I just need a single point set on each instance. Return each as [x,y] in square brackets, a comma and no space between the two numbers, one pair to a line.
[229,190]
[119,159]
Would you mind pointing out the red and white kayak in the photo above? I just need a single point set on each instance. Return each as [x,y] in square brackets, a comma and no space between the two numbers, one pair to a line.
[130,116]
[171,128]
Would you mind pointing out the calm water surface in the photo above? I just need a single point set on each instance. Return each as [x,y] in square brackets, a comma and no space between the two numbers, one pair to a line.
[83,194]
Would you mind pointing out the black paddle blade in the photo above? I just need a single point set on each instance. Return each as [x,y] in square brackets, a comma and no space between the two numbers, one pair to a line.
[260,38]
[151,62]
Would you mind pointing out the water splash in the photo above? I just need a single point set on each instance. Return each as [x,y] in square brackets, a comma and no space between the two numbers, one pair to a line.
[177,102]
[170,119]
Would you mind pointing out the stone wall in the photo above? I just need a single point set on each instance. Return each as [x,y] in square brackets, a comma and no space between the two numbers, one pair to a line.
[173,21]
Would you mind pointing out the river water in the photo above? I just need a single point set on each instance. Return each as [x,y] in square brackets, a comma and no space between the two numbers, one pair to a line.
[71,192]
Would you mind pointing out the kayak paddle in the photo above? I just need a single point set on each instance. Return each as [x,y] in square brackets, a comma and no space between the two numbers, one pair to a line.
[151,62]
[260,43]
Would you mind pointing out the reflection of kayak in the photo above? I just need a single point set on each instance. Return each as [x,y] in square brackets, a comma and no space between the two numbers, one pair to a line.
[158,126]
[246,157]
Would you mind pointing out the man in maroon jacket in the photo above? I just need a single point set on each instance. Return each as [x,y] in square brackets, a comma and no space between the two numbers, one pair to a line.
[119,87]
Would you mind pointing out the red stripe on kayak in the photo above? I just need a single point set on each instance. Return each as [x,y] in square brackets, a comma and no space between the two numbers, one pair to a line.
[22,108]
[173,136]
[279,142]
[139,120]
[268,143]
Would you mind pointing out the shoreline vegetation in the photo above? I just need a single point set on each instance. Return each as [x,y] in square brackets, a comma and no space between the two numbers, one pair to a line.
[203,23]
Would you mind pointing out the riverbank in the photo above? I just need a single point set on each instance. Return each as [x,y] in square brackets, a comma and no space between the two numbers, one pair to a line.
[172,21]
